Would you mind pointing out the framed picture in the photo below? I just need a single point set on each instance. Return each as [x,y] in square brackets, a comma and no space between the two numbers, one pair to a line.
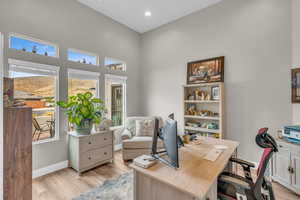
[215,93]
[296,85]
[206,71]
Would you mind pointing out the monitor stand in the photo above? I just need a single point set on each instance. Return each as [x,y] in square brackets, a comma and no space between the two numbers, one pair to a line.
[158,156]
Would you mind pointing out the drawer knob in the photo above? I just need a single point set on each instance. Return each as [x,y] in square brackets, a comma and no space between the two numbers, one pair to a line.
[105,153]
[90,158]
[90,142]
[280,146]
[105,139]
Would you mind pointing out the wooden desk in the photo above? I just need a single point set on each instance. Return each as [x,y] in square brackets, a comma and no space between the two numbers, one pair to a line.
[196,179]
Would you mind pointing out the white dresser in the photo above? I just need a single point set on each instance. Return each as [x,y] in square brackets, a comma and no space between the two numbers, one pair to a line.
[286,165]
[89,151]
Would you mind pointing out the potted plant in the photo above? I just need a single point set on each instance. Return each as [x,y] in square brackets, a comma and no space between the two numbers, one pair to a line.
[83,110]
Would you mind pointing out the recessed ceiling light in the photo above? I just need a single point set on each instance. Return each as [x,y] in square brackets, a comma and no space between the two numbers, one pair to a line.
[148,14]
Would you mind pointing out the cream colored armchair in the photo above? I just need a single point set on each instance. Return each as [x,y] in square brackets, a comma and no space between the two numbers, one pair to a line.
[135,145]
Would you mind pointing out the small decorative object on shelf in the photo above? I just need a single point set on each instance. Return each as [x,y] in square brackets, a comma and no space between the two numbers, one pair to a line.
[215,91]
[84,61]
[23,49]
[46,53]
[204,109]
[104,125]
[206,71]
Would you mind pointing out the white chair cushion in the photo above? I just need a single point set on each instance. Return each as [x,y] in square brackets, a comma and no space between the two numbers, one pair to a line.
[144,127]
[144,142]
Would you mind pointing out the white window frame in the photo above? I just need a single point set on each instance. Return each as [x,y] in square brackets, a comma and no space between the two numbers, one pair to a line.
[34,40]
[83,52]
[1,113]
[85,75]
[125,64]
[31,66]
[122,80]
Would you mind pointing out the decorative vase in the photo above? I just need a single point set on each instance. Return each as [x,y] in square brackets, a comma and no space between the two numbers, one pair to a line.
[84,128]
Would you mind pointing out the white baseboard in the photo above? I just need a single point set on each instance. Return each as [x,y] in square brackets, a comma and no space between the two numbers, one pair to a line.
[117,147]
[49,169]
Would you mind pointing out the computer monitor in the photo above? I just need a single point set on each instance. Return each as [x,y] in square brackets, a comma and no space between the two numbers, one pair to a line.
[168,134]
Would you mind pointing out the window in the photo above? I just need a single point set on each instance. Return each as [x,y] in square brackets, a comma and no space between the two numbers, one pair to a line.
[115,98]
[115,64]
[80,81]
[27,44]
[35,85]
[82,57]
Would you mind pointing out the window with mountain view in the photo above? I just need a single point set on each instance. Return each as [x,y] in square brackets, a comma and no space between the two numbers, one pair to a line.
[80,81]
[36,88]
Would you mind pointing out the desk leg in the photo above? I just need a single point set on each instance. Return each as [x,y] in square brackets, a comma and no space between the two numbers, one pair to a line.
[134,185]
[232,167]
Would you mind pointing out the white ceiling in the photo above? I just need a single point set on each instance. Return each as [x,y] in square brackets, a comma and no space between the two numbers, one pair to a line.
[131,12]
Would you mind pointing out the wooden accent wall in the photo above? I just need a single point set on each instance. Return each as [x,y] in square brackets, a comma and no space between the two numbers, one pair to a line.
[17,153]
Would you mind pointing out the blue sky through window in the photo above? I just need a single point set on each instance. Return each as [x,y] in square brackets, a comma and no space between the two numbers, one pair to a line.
[28,46]
[81,57]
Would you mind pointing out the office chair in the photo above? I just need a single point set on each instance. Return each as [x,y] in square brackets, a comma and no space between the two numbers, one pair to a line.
[235,187]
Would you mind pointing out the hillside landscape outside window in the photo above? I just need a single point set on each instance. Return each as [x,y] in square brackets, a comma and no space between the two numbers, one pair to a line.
[36,87]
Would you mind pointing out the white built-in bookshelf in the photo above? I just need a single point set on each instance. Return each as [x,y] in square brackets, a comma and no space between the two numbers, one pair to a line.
[204,114]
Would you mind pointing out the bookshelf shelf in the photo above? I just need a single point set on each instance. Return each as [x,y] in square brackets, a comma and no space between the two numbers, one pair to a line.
[201,117]
[195,105]
[206,130]
[199,101]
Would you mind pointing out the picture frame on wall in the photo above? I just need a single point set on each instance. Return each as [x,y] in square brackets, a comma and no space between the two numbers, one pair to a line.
[295,85]
[215,93]
[206,71]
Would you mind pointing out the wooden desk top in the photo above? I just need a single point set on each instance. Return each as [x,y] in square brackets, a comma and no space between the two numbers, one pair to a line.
[195,175]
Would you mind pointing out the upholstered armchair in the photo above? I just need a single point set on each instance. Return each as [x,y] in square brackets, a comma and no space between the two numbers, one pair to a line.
[136,138]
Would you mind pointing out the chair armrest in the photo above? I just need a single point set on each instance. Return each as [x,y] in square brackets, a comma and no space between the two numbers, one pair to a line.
[242,162]
[236,181]
[126,134]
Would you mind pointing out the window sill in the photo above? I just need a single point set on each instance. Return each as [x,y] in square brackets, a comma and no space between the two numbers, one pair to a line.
[45,141]
[116,128]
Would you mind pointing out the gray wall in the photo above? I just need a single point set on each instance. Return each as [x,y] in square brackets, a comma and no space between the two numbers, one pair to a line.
[296,50]
[255,37]
[71,25]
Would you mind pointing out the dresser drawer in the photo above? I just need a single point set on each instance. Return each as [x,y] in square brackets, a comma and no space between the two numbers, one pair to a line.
[95,156]
[95,141]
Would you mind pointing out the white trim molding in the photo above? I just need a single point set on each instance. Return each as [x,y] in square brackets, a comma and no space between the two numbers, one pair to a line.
[83,74]
[26,64]
[119,79]
[1,115]
[50,169]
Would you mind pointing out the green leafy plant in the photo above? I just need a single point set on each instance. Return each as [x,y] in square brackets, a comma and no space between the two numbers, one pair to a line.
[83,107]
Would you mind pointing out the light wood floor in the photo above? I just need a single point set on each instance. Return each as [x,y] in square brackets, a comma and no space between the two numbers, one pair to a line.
[66,184]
